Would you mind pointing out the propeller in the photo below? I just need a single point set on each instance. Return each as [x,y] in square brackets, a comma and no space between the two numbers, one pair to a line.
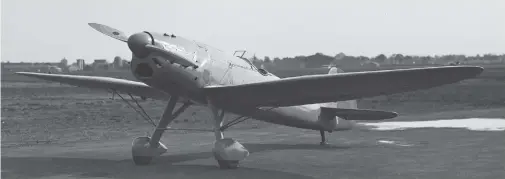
[141,44]
[136,42]
[109,31]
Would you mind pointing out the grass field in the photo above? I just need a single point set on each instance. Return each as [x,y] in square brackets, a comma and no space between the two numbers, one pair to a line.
[69,121]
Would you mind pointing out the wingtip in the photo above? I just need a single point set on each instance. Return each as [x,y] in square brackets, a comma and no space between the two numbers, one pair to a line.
[479,69]
[20,73]
[27,73]
[465,71]
[474,70]
[393,114]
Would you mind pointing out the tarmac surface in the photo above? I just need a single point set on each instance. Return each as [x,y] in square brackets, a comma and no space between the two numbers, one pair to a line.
[276,152]
[55,131]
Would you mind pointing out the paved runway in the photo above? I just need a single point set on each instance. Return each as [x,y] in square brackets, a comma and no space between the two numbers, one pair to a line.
[276,152]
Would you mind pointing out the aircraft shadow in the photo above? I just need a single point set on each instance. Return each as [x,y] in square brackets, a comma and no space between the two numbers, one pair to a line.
[267,147]
[162,167]
[252,147]
[62,167]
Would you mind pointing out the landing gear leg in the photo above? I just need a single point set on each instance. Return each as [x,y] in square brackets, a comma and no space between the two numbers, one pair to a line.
[227,151]
[145,148]
[323,138]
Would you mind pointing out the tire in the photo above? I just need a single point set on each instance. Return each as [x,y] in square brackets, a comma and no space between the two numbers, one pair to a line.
[224,164]
[142,160]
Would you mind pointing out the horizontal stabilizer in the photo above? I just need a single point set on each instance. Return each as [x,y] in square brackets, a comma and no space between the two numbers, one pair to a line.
[358,114]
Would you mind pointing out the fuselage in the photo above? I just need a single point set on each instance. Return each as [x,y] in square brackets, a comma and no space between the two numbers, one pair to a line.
[215,67]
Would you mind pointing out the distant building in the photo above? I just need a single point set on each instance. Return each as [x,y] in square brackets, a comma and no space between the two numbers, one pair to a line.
[100,64]
[73,68]
[118,62]
[80,64]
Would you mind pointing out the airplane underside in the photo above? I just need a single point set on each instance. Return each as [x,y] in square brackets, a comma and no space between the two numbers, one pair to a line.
[227,151]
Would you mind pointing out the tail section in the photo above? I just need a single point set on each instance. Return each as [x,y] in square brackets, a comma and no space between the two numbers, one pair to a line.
[358,114]
[334,70]
[351,104]
[338,116]
[340,119]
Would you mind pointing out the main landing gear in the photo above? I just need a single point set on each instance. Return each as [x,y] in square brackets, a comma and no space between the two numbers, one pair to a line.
[227,151]
[145,148]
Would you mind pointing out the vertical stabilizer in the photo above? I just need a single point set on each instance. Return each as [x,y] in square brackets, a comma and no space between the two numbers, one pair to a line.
[351,104]
[328,120]
[334,70]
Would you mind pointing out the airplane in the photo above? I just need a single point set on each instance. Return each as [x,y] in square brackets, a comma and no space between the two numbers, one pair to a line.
[190,73]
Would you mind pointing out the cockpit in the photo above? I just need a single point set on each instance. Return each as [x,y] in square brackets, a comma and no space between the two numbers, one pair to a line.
[242,54]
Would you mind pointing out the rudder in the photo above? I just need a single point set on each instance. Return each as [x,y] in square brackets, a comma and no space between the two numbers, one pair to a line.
[351,104]
[331,122]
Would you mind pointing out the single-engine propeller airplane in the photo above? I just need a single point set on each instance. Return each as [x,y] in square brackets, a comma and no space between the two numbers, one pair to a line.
[184,71]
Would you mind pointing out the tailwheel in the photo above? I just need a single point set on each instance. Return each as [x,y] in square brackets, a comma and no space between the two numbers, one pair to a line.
[323,138]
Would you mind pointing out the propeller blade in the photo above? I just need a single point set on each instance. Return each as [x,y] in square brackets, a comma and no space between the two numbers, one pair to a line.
[109,31]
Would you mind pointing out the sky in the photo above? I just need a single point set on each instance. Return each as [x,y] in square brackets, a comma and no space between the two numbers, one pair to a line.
[49,30]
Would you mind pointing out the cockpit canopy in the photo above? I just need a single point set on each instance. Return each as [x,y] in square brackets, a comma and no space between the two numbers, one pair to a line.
[248,57]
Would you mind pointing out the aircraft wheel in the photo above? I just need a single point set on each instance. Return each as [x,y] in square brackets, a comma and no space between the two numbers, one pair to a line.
[228,164]
[142,154]
[228,153]
[142,160]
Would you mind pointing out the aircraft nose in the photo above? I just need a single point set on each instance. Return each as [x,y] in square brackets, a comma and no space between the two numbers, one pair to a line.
[137,43]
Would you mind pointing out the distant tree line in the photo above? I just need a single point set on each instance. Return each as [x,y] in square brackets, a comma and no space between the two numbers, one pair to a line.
[319,59]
